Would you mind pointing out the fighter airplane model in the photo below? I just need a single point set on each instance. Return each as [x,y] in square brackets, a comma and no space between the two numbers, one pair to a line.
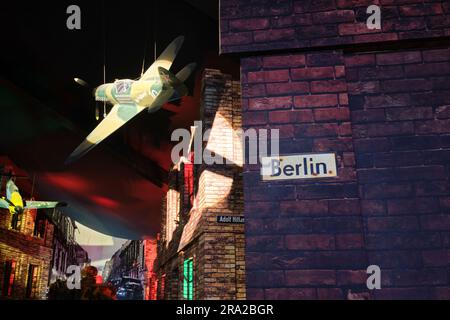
[154,88]
[16,204]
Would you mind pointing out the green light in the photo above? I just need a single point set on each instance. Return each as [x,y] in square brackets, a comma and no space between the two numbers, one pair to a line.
[188,279]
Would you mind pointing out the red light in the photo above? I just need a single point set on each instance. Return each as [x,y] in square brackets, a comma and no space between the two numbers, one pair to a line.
[105,202]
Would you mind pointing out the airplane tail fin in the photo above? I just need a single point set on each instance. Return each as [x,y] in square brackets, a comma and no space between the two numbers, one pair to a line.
[170,80]
[184,73]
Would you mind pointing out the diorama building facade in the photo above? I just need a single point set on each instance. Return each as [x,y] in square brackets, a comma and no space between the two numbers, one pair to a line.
[200,256]
[36,247]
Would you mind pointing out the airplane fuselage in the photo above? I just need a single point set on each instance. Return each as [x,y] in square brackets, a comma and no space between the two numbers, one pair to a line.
[130,92]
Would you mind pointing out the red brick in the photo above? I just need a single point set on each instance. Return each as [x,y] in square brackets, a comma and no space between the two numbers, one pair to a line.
[372,145]
[310,277]
[404,24]
[436,258]
[291,116]
[351,277]
[436,55]
[287,61]
[303,207]
[334,16]
[381,72]
[346,29]
[330,294]
[431,188]
[441,293]
[388,100]
[399,58]
[396,114]
[343,99]
[376,37]
[355,3]
[316,130]
[258,243]
[253,90]
[435,222]
[251,63]
[364,87]
[290,293]
[339,71]
[344,207]
[387,190]
[312,73]
[349,241]
[384,224]
[390,129]
[238,38]
[412,206]
[407,85]
[272,193]
[320,59]
[373,207]
[417,10]
[318,100]
[360,60]
[345,129]
[438,22]
[310,242]
[286,131]
[254,294]
[255,118]
[274,35]
[265,278]
[333,145]
[269,76]
[349,159]
[428,69]
[326,86]
[328,114]
[287,88]
[249,24]
[270,103]
[432,126]
[413,293]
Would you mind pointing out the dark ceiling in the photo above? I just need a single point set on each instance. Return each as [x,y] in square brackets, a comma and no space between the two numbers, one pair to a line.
[116,188]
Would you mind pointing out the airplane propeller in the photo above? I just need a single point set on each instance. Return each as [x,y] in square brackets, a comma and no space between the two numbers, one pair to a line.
[84,83]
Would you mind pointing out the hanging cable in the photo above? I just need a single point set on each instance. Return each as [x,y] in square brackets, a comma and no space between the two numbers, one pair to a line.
[146,27]
[32,186]
[155,9]
[104,57]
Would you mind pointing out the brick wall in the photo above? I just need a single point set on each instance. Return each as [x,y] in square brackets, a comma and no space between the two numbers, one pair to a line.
[193,232]
[400,103]
[248,26]
[304,237]
[25,249]
[386,116]
[310,70]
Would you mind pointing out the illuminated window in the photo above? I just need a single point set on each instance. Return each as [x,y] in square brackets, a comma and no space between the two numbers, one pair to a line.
[9,272]
[16,221]
[188,279]
[31,281]
[39,224]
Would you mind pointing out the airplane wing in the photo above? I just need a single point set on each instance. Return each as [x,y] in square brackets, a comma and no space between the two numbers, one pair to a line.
[117,117]
[165,59]
[44,204]
[4,204]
